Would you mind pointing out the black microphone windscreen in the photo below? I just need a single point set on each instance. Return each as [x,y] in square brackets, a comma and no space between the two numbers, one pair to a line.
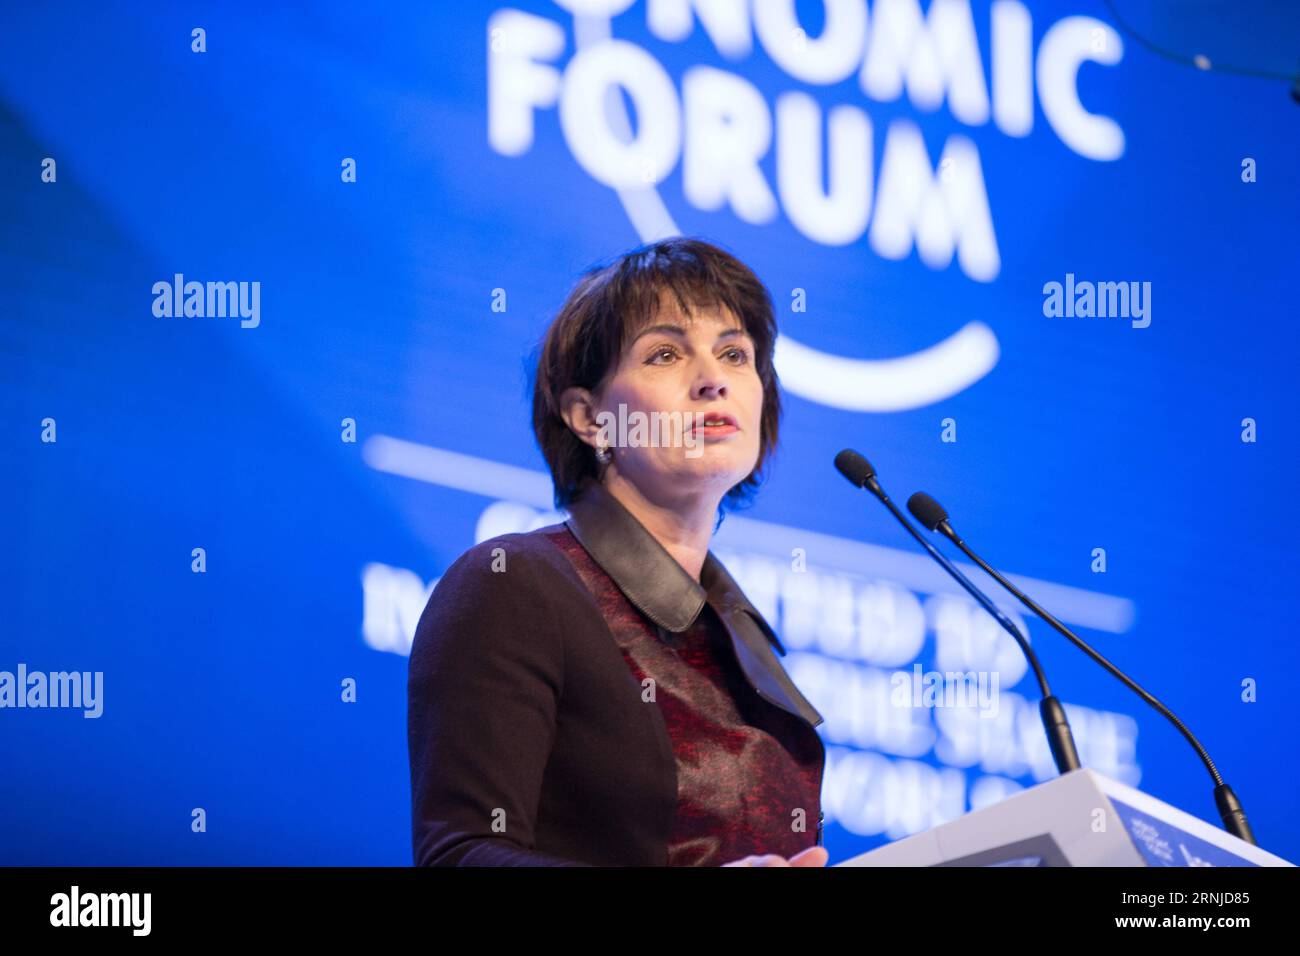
[926,510]
[854,467]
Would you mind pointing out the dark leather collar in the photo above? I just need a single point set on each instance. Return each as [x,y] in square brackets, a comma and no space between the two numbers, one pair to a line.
[660,588]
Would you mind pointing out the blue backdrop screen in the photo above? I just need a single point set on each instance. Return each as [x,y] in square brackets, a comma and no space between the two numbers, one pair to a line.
[1019,260]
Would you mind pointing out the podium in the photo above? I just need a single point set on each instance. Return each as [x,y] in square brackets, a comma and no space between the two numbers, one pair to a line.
[1079,819]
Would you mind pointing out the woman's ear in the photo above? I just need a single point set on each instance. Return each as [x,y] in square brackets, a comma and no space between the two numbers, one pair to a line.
[578,410]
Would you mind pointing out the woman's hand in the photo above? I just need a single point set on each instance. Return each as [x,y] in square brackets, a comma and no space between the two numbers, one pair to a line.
[813,856]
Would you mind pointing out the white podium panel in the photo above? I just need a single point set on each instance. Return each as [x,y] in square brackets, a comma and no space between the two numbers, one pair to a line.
[1080,819]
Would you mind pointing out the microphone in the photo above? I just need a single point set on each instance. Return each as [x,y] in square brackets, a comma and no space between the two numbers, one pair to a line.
[932,515]
[1059,738]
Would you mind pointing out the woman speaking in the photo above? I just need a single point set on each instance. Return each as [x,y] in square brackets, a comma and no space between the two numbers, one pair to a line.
[601,692]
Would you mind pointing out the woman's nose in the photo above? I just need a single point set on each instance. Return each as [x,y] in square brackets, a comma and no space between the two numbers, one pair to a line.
[710,388]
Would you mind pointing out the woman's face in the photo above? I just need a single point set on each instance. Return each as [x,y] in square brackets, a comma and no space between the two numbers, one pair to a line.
[705,365]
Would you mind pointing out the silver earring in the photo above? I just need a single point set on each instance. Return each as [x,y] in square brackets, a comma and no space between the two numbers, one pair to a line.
[603,454]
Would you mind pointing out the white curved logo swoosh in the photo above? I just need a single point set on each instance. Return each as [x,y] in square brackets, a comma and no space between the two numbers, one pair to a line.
[838,381]
[888,385]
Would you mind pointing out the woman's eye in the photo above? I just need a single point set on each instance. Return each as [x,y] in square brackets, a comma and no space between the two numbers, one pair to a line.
[736,355]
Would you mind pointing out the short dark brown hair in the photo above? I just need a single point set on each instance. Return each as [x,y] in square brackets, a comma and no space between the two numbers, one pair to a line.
[608,305]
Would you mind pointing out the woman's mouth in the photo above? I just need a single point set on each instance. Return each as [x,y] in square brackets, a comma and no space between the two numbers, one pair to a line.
[710,425]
